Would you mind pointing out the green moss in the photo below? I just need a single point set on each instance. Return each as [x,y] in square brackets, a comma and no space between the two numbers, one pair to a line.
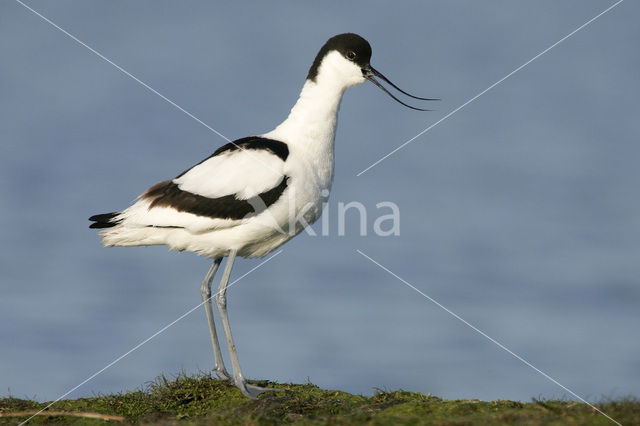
[199,400]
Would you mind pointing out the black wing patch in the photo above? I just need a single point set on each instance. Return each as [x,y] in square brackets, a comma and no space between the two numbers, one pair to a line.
[279,149]
[168,194]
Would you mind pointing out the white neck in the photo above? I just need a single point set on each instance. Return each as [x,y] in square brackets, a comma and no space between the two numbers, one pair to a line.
[313,118]
[310,128]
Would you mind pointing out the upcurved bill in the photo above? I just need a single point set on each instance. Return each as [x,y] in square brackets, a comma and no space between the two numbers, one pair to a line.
[369,73]
[385,79]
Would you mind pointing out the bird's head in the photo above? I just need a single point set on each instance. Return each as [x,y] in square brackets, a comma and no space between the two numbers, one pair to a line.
[344,60]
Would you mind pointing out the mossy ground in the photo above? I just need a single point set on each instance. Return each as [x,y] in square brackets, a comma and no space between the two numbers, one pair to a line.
[199,400]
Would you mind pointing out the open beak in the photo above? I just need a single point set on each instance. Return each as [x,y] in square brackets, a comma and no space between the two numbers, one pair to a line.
[369,72]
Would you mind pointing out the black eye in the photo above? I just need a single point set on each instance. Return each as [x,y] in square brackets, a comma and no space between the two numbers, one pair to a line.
[351,55]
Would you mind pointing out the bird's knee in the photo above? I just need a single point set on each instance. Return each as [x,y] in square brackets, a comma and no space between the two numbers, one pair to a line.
[221,300]
[205,290]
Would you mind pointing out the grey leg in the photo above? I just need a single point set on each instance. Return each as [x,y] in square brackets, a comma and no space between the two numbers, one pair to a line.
[221,301]
[205,290]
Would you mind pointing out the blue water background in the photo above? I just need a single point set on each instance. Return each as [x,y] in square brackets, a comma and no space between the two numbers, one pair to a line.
[520,213]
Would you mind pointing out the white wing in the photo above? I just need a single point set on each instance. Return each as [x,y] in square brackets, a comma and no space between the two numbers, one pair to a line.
[245,173]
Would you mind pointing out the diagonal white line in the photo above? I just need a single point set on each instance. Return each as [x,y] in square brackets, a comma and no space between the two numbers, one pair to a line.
[163,329]
[458,317]
[490,87]
[145,85]
[127,73]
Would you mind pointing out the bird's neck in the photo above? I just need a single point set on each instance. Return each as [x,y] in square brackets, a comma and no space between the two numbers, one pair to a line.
[313,119]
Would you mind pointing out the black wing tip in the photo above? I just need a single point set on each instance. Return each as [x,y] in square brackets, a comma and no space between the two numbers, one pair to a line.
[103,220]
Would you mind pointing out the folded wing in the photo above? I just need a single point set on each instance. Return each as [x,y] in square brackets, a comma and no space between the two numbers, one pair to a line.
[241,179]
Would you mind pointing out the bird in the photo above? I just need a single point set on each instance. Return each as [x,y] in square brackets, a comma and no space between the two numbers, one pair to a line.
[255,193]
